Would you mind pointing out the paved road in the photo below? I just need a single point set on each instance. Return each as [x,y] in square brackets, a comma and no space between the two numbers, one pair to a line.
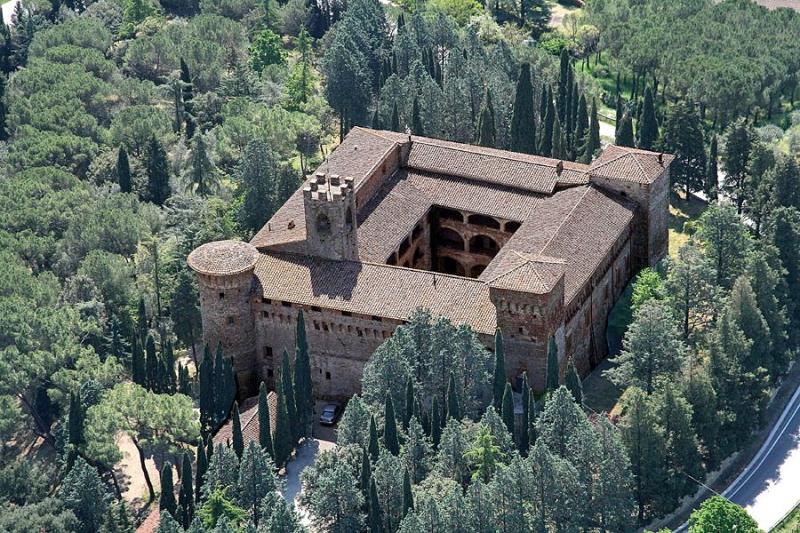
[8,10]
[767,488]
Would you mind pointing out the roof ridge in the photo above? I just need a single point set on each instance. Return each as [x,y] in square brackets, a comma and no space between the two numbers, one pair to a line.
[376,133]
[564,220]
[498,156]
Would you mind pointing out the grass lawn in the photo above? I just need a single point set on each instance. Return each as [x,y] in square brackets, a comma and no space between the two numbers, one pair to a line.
[681,212]
[790,524]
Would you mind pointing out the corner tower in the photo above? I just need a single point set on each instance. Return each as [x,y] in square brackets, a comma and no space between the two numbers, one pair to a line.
[330,212]
[225,278]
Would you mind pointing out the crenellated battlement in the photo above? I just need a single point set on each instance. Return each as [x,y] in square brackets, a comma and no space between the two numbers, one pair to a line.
[329,188]
[330,211]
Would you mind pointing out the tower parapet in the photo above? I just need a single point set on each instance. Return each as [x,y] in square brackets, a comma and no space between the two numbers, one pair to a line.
[224,272]
[330,211]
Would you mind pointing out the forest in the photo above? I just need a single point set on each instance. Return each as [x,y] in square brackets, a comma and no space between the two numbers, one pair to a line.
[133,131]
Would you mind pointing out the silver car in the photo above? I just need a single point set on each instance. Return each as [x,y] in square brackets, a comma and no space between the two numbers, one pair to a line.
[330,414]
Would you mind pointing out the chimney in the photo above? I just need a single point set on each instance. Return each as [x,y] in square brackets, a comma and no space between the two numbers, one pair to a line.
[661,158]
[559,167]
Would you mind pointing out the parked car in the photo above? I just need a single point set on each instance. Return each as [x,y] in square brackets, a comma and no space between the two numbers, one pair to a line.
[330,414]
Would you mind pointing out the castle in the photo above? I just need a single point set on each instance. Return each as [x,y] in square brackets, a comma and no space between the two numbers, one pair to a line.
[537,247]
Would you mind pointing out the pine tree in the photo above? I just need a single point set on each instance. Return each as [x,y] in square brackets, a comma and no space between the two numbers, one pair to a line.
[123,170]
[573,382]
[287,388]
[508,409]
[157,170]
[416,119]
[167,500]
[408,497]
[683,136]
[152,365]
[206,394]
[766,282]
[593,140]
[546,139]
[372,448]
[436,422]
[186,495]
[523,121]
[409,403]
[748,317]
[736,160]
[264,430]
[256,479]
[238,439]
[648,125]
[453,404]
[374,519]
[711,183]
[390,438]
[486,130]
[202,174]
[552,375]
[498,387]
[524,433]
[625,132]
[304,396]
[202,467]
[282,442]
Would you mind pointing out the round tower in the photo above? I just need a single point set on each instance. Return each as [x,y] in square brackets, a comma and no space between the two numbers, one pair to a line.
[225,279]
[330,210]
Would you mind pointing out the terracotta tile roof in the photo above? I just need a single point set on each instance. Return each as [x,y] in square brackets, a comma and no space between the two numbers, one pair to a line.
[375,289]
[248,416]
[407,196]
[223,258]
[532,273]
[632,164]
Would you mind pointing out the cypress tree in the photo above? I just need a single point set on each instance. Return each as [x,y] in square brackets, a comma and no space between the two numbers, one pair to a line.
[581,129]
[141,319]
[390,439]
[573,382]
[593,141]
[625,132]
[187,95]
[408,497]
[168,368]
[436,422]
[508,409]
[152,365]
[712,172]
[238,439]
[546,139]
[167,500]
[523,122]
[288,393]
[75,421]
[486,131]
[416,119]
[374,516]
[228,386]
[453,407]
[282,442]
[373,440]
[202,466]
[618,113]
[123,170]
[532,411]
[186,495]
[648,126]
[395,126]
[365,474]
[409,405]
[543,99]
[524,435]
[264,430]
[209,448]
[376,120]
[499,369]
[552,379]
[184,383]
[564,85]
[304,396]
[218,384]
[157,169]
[206,393]
[3,130]
[558,142]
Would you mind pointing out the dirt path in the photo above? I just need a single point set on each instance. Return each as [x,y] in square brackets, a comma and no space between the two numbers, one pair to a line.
[129,472]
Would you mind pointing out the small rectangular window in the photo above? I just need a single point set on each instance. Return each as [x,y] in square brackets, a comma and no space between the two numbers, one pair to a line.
[230,320]
[269,373]
[267,351]
[377,318]
[327,375]
[266,301]
[325,326]
[286,304]
[264,314]
[221,295]
[347,313]
[316,308]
